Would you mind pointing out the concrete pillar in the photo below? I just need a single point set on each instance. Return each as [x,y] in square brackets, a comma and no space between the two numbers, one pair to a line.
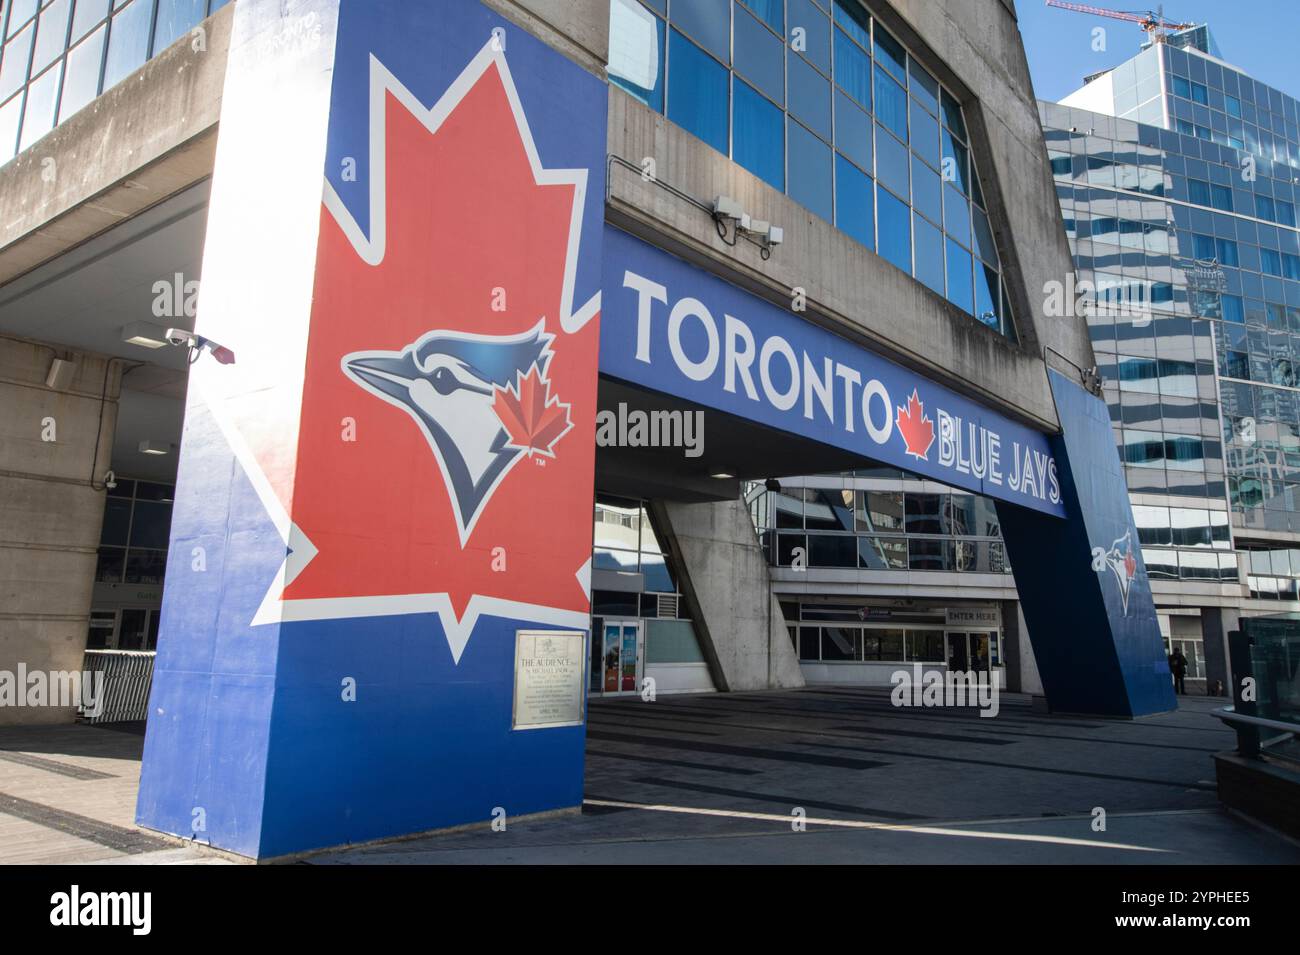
[1216,624]
[728,591]
[55,441]
[394,477]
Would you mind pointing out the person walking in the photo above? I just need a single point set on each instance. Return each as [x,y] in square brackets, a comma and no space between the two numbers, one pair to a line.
[1178,666]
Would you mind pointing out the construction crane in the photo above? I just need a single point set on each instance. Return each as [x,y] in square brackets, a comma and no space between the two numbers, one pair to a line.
[1151,22]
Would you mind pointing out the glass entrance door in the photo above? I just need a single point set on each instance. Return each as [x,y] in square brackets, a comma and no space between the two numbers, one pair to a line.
[958,650]
[622,663]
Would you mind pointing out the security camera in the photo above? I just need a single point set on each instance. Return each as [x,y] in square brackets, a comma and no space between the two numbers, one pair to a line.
[198,344]
[110,480]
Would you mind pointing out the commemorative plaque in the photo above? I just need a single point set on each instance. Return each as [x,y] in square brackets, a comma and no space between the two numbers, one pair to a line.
[549,686]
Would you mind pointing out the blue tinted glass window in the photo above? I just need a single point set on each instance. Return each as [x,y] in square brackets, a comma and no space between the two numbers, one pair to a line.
[929,254]
[759,138]
[891,161]
[1203,246]
[810,94]
[986,295]
[1285,212]
[769,10]
[697,95]
[636,52]
[760,55]
[984,244]
[1198,191]
[13,68]
[926,196]
[1232,309]
[890,54]
[1221,197]
[852,131]
[128,41]
[850,15]
[708,22]
[1232,105]
[1264,207]
[1227,252]
[924,86]
[87,14]
[891,104]
[1270,263]
[51,34]
[175,18]
[1199,94]
[852,69]
[38,118]
[1181,87]
[952,117]
[816,37]
[956,215]
[21,11]
[810,171]
[955,165]
[959,277]
[893,230]
[925,135]
[853,202]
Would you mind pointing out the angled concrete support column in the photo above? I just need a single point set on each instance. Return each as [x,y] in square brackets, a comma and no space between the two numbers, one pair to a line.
[729,594]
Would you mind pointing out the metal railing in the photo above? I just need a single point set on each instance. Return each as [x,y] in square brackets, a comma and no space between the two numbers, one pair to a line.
[127,677]
[1265,659]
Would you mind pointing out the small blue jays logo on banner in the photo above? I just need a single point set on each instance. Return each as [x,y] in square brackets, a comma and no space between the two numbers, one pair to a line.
[1121,562]
[476,400]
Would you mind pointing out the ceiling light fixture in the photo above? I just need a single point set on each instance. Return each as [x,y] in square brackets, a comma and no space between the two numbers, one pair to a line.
[144,334]
[149,446]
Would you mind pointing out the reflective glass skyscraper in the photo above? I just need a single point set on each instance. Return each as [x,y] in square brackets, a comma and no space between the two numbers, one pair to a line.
[1178,177]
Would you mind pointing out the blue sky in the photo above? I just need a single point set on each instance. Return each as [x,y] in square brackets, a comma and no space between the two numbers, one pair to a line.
[1257,36]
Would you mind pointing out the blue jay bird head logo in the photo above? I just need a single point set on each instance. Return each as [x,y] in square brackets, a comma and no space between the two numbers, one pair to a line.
[1121,562]
[451,384]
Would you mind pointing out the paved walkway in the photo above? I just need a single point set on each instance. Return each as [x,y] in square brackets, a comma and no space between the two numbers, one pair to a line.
[719,778]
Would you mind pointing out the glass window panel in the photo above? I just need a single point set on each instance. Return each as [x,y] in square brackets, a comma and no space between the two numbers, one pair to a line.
[175,18]
[817,32]
[810,171]
[926,195]
[150,524]
[929,255]
[956,215]
[841,643]
[854,201]
[636,52]
[145,566]
[955,166]
[959,277]
[87,14]
[890,54]
[852,69]
[924,86]
[892,162]
[893,230]
[832,550]
[81,76]
[852,131]
[929,554]
[850,15]
[111,563]
[128,42]
[810,95]
[879,510]
[882,553]
[984,244]
[891,104]
[10,113]
[17,55]
[51,34]
[952,117]
[925,135]
[697,94]
[708,22]
[769,10]
[759,55]
[38,117]
[20,12]
[758,136]
[986,295]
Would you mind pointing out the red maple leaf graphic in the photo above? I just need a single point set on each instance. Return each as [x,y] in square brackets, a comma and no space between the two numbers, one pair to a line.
[915,427]
[534,419]
[1130,564]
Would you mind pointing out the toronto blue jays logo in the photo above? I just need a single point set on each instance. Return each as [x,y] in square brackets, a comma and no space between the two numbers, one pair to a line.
[481,401]
[1122,563]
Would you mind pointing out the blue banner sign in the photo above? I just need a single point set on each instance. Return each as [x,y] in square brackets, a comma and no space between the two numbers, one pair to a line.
[676,329]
